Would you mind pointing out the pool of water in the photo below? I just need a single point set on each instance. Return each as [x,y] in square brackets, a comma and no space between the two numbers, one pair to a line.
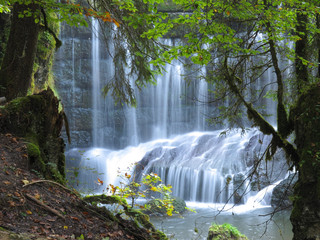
[256,224]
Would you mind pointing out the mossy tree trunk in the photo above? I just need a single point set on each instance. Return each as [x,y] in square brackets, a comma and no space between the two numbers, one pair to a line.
[37,119]
[17,65]
[305,216]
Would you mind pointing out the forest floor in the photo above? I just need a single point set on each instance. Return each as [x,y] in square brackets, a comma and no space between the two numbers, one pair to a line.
[42,209]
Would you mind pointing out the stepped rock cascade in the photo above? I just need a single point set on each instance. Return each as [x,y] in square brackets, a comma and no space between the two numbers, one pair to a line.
[167,133]
[200,166]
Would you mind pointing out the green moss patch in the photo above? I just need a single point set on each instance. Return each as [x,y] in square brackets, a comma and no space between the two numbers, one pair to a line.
[225,232]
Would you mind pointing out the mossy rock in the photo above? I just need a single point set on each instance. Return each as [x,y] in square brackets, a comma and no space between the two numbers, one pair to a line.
[225,232]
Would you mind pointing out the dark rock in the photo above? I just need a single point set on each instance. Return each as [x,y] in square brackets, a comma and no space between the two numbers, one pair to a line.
[282,192]
[239,187]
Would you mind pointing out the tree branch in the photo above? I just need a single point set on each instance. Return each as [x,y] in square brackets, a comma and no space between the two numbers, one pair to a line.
[259,121]
[47,28]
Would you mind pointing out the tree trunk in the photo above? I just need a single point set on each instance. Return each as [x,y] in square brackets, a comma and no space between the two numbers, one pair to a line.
[4,33]
[17,65]
[318,42]
[301,51]
[305,216]
[37,119]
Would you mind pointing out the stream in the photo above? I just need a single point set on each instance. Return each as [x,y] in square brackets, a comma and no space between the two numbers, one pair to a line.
[255,223]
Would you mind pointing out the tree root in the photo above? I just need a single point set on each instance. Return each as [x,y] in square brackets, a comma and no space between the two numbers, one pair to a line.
[55,183]
[45,206]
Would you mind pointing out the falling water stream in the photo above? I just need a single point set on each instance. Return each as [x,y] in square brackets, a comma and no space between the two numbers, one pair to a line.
[168,134]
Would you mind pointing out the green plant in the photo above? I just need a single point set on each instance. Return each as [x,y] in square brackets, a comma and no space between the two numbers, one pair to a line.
[149,185]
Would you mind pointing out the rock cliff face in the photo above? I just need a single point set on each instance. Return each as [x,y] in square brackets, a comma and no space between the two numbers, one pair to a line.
[83,66]
[72,69]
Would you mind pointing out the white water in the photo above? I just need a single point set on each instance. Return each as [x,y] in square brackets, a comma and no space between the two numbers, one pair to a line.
[197,165]
[96,89]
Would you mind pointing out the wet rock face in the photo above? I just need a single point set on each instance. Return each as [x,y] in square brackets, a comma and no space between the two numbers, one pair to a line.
[282,192]
[239,187]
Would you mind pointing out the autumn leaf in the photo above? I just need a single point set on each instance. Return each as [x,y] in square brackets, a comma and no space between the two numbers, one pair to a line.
[65,227]
[6,182]
[11,203]
[127,175]
[100,182]
[25,182]
[28,212]
[17,194]
[154,189]
[37,196]
[75,218]
[228,13]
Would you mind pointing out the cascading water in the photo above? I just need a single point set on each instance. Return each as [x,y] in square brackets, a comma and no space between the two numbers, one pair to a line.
[201,166]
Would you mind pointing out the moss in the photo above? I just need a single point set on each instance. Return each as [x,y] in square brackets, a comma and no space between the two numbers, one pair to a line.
[225,232]
[35,159]
[53,171]
[42,74]
[161,235]
[38,121]
[139,218]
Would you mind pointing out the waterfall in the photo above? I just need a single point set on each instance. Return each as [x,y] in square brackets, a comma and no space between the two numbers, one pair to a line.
[200,166]
[166,133]
[96,90]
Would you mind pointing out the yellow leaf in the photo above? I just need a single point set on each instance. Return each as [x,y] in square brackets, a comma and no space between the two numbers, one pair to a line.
[28,212]
[25,182]
[65,227]
[228,13]
[154,189]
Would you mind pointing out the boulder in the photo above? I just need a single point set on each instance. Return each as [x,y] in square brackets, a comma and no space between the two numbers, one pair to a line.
[156,206]
[282,192]
[225,232]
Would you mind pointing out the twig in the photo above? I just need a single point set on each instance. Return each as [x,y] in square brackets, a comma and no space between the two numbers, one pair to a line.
[45,206]
[58,184]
